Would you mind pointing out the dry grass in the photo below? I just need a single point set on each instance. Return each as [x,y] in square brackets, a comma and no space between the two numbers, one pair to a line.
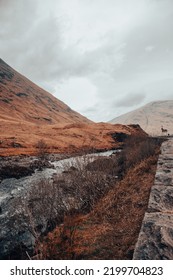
[60,138]
[110,230]
[123,209]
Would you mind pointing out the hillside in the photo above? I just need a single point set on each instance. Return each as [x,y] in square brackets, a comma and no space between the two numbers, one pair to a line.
[22,100]
[150,117]
[29,113]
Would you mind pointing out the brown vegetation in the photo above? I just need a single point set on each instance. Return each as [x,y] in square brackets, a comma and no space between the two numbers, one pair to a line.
[109,228]
[42,149]
[60,138]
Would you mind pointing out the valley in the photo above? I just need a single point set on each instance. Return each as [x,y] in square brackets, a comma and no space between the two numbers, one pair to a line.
[86,138]
[72,189]
[29,114]
[63,177]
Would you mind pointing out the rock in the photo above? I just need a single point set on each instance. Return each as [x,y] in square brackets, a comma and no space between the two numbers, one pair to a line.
[164,173]
[15,171]
[16,145]
[13,238]
[70,170]
[41,164]
[155,241]
[15,231]
[119,136]
[22,94]
[167,147]
[161,199]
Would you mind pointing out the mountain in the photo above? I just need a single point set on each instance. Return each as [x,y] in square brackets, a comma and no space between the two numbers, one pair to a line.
[29,114]
[20,99]
[150,117]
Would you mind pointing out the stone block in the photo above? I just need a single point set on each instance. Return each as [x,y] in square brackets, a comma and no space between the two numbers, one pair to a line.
[161,199]
[155,240]
[167,147]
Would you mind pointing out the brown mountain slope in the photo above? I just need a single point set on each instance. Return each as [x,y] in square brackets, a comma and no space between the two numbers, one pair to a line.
[29,113]
[20,99]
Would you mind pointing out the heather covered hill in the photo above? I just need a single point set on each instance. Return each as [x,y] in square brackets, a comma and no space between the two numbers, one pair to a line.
[20,99]
[150,117]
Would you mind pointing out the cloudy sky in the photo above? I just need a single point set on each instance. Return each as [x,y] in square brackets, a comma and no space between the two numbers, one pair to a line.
[101,57]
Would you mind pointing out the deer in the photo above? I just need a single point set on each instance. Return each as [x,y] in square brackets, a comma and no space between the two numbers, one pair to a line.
[164,130]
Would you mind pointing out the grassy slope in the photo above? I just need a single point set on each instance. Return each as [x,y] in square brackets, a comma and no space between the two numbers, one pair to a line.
[69,138]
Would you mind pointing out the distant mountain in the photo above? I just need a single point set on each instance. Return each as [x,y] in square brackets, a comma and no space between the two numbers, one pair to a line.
[150,117]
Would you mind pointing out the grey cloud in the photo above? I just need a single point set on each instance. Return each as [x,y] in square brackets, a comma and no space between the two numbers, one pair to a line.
[129,61]
[16,18]
[16,21]
[131,99]
[90,110]
[36,47]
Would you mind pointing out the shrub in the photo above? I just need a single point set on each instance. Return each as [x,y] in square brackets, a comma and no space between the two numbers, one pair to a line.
[136,149]
[42,149]
[83,184]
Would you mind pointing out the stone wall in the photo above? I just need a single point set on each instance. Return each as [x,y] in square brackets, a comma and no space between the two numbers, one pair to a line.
[155,241]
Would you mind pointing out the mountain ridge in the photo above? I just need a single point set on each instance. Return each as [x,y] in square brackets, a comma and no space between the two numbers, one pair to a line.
[42,107]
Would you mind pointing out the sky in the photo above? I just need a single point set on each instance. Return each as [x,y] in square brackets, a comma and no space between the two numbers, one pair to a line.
[103,58]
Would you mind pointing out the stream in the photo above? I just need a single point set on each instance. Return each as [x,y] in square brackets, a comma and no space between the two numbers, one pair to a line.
[11,234]
[13,187]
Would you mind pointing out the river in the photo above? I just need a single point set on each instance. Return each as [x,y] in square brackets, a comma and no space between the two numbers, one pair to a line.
[13,189]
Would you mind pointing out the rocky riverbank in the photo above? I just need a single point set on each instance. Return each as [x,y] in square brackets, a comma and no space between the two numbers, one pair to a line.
[17,174]
[20,173]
